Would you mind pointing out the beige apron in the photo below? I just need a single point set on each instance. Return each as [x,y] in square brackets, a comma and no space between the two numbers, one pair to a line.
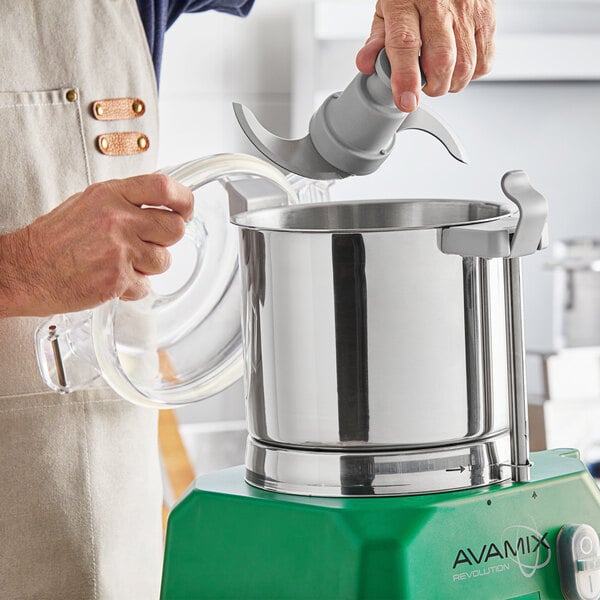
[80,492]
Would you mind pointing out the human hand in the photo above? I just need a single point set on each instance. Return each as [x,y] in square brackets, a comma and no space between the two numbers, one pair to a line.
[97,245]
[453,37]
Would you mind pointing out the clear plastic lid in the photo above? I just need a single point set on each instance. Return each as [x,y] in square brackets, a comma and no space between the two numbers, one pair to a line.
[183,342]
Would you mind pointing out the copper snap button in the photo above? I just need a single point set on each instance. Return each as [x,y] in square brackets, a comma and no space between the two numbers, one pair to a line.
[137,106]
[99,109]
[71,95]
[142,143]
[103,143]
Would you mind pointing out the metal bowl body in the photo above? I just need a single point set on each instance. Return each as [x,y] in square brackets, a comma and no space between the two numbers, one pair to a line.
[360,334]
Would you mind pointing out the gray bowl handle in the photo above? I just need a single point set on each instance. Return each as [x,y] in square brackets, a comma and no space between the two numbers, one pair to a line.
[511,237]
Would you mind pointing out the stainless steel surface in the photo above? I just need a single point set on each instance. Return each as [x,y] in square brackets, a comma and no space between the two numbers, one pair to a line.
[519,428]
[377,474]
[360,333]
[473,330]
[372,215]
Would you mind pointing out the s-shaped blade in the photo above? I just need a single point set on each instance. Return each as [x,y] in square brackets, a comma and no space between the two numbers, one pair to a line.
[297,156]
[429,122]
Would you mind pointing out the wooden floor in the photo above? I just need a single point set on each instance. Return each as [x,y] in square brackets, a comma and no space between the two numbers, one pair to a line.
[174,456]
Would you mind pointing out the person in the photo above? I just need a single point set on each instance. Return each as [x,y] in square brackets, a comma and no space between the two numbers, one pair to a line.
[80,491]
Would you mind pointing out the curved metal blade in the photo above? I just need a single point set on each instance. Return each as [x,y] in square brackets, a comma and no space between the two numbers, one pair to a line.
[427,121]
[298,156]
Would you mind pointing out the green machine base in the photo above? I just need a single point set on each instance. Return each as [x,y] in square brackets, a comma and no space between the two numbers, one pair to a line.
[226,539]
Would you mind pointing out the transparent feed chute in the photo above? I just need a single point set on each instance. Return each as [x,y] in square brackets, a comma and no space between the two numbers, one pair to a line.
[182,343]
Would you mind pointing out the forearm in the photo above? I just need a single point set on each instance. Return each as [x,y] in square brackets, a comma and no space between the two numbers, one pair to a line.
[14,289]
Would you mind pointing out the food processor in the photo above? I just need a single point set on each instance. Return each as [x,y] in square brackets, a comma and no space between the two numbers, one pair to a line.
[381,345]
[388,449]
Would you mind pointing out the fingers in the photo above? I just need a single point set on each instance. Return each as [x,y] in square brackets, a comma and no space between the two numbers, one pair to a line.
[132,230]
[466,50]
[156,189]
[455,40]
[438,54]
[138,288]
[126,276]
[147,259]
[485,28]
[402,44]
[150,259]
[160,227]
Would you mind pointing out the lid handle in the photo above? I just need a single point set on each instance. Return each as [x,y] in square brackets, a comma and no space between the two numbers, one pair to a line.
[64,352]
[130,356]
[195,233]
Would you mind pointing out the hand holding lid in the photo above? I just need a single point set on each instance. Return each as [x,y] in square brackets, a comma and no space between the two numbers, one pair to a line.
[351,133]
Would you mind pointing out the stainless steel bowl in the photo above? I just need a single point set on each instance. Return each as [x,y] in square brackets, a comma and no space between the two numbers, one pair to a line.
[360,334]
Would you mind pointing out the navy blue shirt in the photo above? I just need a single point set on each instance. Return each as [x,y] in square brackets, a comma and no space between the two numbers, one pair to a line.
[159,15]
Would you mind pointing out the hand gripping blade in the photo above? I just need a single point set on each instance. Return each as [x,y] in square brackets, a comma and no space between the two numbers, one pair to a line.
[351,133]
